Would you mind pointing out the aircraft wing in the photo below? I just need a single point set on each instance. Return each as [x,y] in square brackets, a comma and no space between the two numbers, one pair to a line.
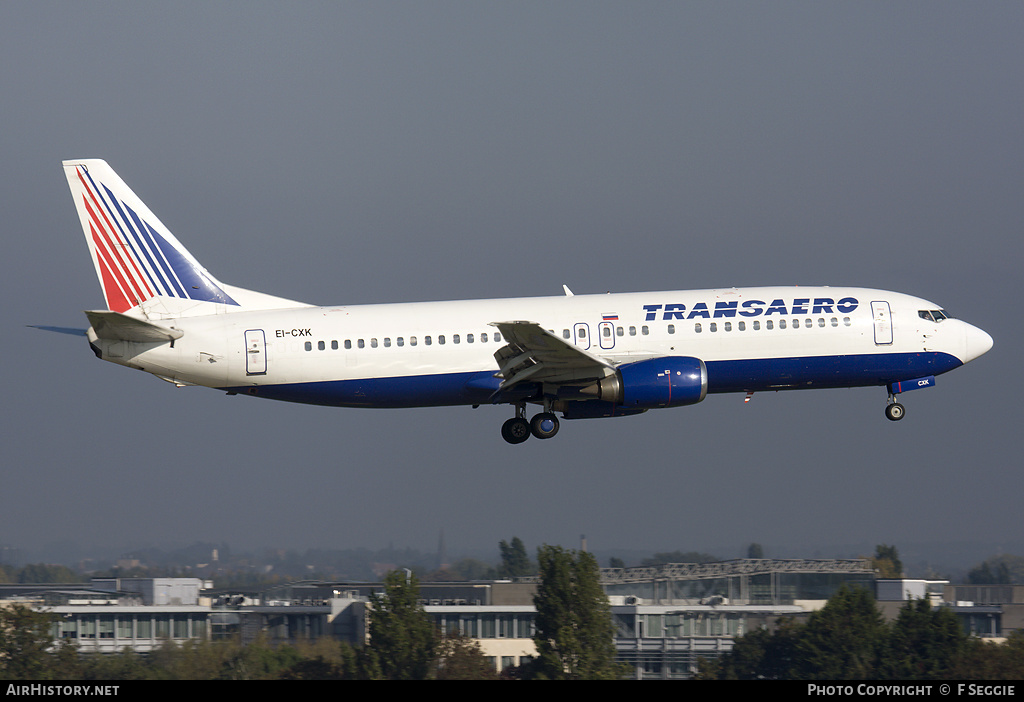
[536,355]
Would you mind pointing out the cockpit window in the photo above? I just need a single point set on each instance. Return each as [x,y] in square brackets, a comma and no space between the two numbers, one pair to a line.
[933,315]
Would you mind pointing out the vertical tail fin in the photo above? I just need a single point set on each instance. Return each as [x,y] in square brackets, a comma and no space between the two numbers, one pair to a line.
[135,255]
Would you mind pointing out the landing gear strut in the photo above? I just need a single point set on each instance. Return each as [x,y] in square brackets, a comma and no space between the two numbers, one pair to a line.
[894,411]
[518,429]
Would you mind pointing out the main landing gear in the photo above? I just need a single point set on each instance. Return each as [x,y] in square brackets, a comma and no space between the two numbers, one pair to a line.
[894,411]
[518,429]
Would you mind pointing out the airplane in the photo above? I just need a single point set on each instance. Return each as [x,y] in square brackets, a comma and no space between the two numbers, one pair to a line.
[581,356]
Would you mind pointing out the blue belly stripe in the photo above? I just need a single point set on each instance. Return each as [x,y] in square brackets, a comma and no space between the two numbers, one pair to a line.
[476,387]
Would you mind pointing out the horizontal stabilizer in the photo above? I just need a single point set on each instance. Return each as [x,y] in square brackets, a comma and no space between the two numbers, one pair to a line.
[61,330]
[114,325]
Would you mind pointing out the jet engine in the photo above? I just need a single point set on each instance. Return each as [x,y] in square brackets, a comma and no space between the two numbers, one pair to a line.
[668,381]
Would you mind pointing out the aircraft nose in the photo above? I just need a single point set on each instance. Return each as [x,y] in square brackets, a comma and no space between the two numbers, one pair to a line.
[978,342]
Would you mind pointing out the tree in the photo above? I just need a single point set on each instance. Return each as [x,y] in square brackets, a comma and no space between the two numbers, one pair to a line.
[514,560]
[460,658]
[924,642]
[843,640]
[998,570]
[755,550]
[981,659]
[574,630]
[473,569]
[981,575]
[887,562]
[24,639]
[402,636]
[46,573]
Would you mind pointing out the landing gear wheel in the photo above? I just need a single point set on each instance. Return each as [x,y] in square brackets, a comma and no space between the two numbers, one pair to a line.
[895,412]
[544,425]
[515,430]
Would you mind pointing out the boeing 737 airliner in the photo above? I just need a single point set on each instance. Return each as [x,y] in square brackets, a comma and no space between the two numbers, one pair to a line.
[579,356]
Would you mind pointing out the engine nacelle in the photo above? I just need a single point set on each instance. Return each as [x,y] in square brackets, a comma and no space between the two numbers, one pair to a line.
[669,381]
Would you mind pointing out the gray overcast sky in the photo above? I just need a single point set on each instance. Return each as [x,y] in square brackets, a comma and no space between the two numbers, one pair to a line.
[346,152]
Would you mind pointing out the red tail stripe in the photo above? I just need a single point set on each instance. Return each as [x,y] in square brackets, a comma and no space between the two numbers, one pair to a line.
[106,248]
[112,289]
[139,283]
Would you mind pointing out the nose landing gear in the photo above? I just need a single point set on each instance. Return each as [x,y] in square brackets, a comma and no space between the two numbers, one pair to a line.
[894,411]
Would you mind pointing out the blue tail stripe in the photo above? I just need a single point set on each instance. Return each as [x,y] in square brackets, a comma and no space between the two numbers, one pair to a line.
[176,287]
[141,245]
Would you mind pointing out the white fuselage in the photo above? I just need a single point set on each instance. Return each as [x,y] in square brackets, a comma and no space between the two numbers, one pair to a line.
[442,353]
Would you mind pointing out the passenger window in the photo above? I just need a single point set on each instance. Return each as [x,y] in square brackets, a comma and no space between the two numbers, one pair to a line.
[469,338]
[387,342]
[362,344]
[455,339]
[321,346]
[400,341]
[373,343]
[796,323]
[334,345]
[697,327]
[782,324]
[309,345]
[618,331]
[742,326]
[821,322]
[566,334]
[644,330]
[497,336]
[757,324]
[440,339]
[483,337]
[671,328]
[348,344]
[835,322]
[427,340]
[412,341]
[713,326]
[728,326]
[846,321]
[769,324]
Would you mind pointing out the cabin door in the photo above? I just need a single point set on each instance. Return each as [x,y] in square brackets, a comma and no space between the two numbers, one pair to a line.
[882,317]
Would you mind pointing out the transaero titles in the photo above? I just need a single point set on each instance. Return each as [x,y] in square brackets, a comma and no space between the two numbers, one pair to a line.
[911,690]
[751,308]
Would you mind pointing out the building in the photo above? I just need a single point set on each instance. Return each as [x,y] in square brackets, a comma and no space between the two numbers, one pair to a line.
[666,617]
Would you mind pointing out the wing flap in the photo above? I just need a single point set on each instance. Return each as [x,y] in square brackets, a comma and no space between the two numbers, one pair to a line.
[535,354]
